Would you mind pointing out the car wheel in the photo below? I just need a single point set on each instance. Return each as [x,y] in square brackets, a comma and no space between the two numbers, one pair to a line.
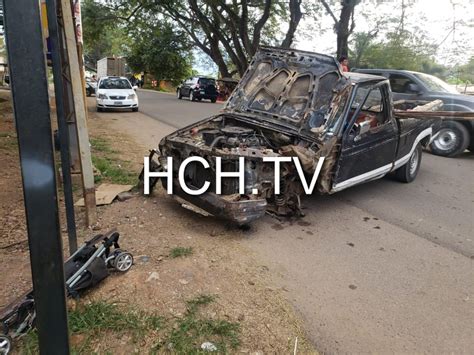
[88,93]
[408,172]
[452,139]
[213,100]
[135,109]
[191,96]
[178,94]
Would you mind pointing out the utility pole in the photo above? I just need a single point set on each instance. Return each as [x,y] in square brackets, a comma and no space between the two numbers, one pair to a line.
[29,88]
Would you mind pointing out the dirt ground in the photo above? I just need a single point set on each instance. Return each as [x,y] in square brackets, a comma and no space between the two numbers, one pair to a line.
[150,228]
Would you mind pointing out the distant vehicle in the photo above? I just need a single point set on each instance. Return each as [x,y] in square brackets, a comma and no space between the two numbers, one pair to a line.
[111,66]
[198,88]
[91,87]
[453,137]
[114,92]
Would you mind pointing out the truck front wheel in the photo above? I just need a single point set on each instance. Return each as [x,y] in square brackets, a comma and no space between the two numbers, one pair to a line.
[452,139]
[408,172]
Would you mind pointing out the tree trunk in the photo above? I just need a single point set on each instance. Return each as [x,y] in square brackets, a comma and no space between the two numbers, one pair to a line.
[295,17]
[343,30]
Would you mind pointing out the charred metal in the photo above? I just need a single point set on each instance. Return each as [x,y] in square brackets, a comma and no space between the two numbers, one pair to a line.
[292,104]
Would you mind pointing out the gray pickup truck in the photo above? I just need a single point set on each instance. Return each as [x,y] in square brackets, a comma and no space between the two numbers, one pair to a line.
[453,137]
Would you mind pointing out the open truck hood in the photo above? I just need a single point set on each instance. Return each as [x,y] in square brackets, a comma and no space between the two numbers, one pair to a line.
[288,87]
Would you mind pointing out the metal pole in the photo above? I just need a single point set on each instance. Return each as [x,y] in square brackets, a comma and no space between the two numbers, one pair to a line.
[33,124]
[60,88]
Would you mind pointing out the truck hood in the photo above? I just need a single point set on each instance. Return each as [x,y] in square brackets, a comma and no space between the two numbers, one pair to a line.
[288,87]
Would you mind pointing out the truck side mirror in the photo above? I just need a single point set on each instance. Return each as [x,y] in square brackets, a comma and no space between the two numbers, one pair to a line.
[362,128]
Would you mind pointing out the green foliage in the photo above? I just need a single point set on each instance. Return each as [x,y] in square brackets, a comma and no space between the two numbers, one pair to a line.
[399,50]
[162,51]
[465,73]
[180,251]
[103,34]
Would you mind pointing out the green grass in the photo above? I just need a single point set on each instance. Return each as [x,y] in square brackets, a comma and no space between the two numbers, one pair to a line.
[192,330]
[180,251]
[111,168]
[8,141]
[96,319]
[100,145]
[182,335]
[112,171]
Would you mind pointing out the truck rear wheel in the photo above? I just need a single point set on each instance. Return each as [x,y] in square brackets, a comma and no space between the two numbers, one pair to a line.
[408,172]
[452,139]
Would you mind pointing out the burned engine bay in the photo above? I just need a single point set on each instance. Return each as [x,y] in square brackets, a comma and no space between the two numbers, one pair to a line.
[281,108]
[229,137]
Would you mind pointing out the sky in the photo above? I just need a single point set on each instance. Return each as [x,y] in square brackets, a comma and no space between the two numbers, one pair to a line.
[436,17]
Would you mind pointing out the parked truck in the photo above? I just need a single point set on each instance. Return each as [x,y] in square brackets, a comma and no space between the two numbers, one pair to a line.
[111,66]
[342,127]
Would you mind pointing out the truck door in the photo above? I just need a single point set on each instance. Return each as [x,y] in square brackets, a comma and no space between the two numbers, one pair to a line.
[370,138]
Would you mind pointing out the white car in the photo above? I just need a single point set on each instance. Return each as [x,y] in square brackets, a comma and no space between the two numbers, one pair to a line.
[116,92]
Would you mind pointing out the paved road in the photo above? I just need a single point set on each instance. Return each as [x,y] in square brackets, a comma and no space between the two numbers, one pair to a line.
[177,113]
[382,267]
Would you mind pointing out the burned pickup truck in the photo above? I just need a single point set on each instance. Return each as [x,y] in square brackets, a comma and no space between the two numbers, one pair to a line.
[292,104]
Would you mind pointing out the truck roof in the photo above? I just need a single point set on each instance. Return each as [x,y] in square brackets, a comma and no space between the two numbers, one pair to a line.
[387,71]
[362,77]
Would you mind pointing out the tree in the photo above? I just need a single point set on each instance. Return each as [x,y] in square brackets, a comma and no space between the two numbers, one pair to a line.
[229,32]
[344,25]
[161,51]
[102,36]
[465,72]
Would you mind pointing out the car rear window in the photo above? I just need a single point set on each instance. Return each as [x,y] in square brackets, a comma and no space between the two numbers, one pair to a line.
[115,83]
[206,81]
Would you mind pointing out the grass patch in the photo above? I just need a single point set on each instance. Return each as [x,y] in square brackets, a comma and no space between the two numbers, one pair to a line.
[8,141]
[180,251]
[112,171]
[90,323]
[192,330]
[111,168]
[100,146]
[96,319]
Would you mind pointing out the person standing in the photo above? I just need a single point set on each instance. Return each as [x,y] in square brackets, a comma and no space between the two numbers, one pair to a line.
[344,63]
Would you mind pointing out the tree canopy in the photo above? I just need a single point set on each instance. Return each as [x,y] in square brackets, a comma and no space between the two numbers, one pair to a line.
[161,51]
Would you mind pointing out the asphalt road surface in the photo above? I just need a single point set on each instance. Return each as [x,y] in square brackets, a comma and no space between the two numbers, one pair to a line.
[381,267]
[177,113]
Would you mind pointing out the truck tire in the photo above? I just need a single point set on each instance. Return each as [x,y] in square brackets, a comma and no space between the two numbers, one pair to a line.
[453,139]
[178,94]
[471,145]
[408,172]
